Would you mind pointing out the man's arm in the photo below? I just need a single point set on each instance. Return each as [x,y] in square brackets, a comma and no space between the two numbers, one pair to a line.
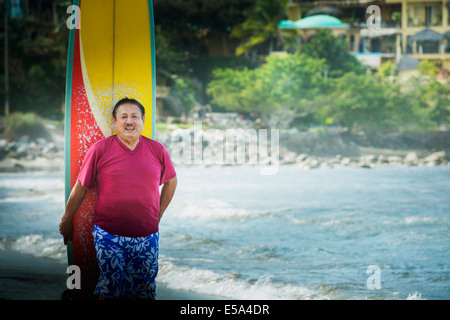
[167,192]
[75,199]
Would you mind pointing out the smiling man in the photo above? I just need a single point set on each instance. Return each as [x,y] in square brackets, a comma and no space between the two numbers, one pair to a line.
[128,170]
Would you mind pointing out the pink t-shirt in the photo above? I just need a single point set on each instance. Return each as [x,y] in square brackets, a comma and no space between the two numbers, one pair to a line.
[127,184]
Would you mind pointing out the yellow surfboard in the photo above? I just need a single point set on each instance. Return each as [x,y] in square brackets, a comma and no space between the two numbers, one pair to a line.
[111,56]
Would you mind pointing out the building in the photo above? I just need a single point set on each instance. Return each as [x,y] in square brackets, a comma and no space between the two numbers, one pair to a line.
[419,28]
[425,30]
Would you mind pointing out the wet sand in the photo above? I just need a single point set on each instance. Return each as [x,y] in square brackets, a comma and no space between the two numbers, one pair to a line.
[25,277]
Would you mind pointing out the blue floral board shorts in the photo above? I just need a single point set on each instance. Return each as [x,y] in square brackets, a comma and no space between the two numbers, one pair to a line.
[128,266]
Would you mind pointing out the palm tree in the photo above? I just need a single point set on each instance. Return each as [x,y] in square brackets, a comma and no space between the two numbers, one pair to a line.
[260,26]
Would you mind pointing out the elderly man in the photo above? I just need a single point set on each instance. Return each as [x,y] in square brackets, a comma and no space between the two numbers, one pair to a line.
[128,170]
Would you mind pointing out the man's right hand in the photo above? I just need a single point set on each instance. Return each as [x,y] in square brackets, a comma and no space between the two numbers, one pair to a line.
[66,230]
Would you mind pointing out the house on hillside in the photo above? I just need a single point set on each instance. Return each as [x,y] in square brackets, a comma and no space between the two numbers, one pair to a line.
[420,29]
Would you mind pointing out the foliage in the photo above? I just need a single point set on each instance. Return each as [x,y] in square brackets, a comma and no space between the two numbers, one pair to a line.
[37,65]
[333,49]
[361,102]
[278,91]
[28,124]
[290,87]
[432,103]
[260,26]
[217,15]
[170,58]
[427,68]
[386,70]
[184,90]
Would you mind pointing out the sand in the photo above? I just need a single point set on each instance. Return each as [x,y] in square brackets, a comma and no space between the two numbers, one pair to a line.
[25,277]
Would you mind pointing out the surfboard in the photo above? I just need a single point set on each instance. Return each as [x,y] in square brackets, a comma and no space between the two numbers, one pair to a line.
[110,56]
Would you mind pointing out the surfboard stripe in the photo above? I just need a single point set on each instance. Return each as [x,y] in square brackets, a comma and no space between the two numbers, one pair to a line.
[67,124]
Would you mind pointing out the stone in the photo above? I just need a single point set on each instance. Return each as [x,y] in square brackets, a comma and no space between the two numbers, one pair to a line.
[411,159]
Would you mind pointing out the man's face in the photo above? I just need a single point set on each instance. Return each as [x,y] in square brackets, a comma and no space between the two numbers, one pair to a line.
[129,121]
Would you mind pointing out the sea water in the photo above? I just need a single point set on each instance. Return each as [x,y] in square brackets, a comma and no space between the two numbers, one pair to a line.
[298,234]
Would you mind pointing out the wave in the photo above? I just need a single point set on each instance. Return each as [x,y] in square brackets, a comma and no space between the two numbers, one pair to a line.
[35,197]
[221,210]
[38,246]
[32,180]
[230,285]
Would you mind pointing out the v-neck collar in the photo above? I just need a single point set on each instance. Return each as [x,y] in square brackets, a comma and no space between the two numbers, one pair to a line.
[126,148]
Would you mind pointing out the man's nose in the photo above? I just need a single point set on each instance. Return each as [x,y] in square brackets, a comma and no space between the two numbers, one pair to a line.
[129,120]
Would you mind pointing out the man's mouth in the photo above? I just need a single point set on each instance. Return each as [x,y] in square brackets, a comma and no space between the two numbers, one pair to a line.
[130,128]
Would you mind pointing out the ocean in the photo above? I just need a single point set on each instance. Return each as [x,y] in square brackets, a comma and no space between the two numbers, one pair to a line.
[230,232]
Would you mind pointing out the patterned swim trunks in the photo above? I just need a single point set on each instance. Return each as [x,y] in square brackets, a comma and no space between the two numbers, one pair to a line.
[128,266]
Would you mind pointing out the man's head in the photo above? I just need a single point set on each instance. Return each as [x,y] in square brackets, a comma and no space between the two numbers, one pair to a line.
[131,101]
[129,116]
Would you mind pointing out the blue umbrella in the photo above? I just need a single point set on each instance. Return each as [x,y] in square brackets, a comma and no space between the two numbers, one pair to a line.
[319,21]
[287,24]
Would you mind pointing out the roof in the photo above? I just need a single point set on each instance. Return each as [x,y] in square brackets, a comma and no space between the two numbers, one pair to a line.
[407,63]
[319,21]
[427,35]
[287,24]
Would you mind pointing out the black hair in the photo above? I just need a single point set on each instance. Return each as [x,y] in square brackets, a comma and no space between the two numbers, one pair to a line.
[128,100]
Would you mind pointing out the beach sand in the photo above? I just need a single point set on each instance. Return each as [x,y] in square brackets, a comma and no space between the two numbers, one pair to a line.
[25,277]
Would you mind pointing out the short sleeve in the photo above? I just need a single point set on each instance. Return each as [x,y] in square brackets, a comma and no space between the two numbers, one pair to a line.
[168,170]
[88,170]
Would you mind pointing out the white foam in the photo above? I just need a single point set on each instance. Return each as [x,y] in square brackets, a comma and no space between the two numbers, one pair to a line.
[217,209]
[40,247]
[230,285]
[49,197]
[36,181]
[415,296]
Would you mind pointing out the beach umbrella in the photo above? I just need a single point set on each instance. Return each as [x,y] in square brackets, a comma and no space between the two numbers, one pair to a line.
[427,35]
[288,24]
[319,21]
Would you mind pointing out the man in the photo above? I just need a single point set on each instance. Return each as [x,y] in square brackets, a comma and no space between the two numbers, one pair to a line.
[128,170]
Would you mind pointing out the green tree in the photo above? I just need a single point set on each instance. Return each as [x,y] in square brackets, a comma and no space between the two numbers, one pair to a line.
[431,103]
[338,60]
[362,103]
[170,58]
[279,91]
[261,26]
[430,98]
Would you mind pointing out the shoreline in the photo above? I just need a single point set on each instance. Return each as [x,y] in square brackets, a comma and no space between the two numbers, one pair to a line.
[370,158]
[305,150]
[26,277]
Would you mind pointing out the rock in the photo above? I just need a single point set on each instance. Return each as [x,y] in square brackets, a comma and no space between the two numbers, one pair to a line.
[50,148]
[395,160]
[381,159]
[365,165]
[308,163]
[436,158]
[411,159]
[367,159]
[346,161]
[301,157]
[288,157]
